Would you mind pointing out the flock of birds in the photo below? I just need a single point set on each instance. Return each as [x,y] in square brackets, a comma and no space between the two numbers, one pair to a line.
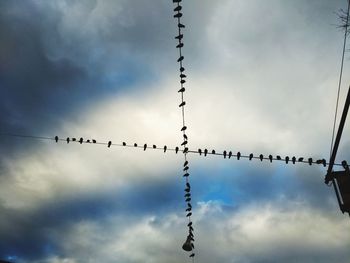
[188,245]
[205,152]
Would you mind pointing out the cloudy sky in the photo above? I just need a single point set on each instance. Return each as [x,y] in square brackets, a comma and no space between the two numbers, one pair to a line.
[261,77]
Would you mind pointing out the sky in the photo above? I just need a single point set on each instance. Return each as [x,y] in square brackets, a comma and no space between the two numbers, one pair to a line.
[262,78]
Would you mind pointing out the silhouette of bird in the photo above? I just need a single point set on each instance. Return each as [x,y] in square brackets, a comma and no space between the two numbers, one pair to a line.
[185,150]
[224,153]
[178,8]
[189,205]
[180,59]
[182,69]
[310,161]
[270,158]
[187,195]
[184,143]
[238,155]
[176,149]
[319,161]
[56,138]
[300,159]
[187,189]
[93,141]
[87,141]
[179,37]
[188,185]
[200,151]
[205,152]
[188,209]
[185,163]
[229,154]
[185,136]
[109,144]
[182,104]
[183,128]
[192,255]
[261,157]
[345,164]
[135,144]
[180,45]
[124,143]
[294,159]
[178,15]
[186,168]
[324,162]
[213,152]
[181,90]
[188,199]
[182,81]
[154,146]
[81,140]
[278,157]
[182,76]
[189,214]
[145,146]
[179,25]
[165,148]
[190,229]
[67,140]
[250,157]
[287,159]
[73,139]
[177,1]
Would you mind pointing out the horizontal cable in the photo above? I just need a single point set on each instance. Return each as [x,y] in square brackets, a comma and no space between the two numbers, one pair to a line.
[176,149]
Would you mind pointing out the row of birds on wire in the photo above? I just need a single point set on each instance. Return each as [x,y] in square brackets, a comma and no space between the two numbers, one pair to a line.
[188,245]
[206,152]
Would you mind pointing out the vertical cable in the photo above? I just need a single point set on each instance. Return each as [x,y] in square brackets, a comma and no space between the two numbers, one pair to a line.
[340,77]
[179,37]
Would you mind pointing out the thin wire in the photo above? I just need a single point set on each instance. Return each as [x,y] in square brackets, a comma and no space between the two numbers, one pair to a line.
[340,77]
[168,149]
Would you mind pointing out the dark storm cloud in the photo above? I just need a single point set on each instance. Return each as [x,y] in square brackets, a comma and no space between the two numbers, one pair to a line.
[35,233]
[58,56]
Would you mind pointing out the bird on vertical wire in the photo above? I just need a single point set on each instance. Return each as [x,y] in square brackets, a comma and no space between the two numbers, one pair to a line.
[181,90]
[182,104]
[56,138]
[185,136]
[109,144]
[183,128]
[185,163]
